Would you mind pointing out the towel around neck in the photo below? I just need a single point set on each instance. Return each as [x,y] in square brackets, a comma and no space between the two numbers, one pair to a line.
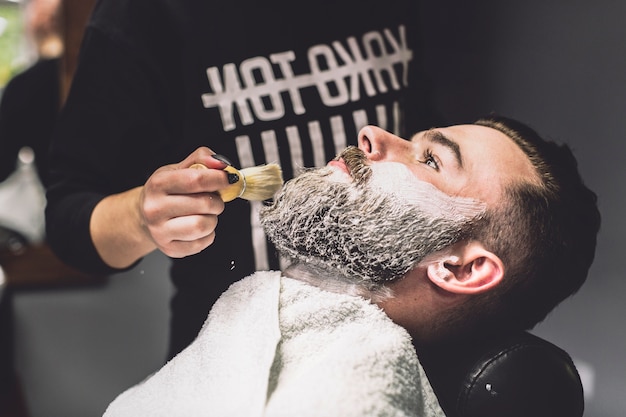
[274,346]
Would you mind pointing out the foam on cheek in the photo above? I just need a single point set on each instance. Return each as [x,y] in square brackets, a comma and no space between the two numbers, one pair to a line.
[398,181]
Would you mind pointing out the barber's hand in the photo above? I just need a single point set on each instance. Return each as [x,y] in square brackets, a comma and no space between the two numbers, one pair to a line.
[179,206]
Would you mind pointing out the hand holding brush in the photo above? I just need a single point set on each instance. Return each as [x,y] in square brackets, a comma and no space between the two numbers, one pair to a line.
[173,211]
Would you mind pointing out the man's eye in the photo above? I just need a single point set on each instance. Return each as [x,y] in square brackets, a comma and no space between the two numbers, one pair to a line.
[430,160]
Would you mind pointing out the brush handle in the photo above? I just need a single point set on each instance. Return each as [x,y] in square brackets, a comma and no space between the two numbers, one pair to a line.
[233,190]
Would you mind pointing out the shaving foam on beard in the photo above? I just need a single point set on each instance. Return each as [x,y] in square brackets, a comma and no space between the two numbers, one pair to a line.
[396,180]
[369,227]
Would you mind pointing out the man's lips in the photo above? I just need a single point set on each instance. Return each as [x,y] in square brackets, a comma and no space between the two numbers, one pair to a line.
[339,164]
[352,162]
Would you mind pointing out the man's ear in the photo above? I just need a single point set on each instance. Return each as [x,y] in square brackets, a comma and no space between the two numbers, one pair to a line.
[467,268]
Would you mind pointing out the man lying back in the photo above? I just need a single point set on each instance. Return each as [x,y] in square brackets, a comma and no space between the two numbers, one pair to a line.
[393,247]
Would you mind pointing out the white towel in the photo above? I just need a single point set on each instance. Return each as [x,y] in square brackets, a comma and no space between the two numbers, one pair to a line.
[274,346]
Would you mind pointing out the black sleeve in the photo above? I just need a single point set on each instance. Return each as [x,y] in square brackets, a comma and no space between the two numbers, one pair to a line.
[111,135]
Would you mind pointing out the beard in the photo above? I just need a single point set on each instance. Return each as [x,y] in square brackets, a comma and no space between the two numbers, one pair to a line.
[372,228]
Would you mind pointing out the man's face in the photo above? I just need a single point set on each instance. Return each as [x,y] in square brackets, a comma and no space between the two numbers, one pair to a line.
[369,222]
[376,213]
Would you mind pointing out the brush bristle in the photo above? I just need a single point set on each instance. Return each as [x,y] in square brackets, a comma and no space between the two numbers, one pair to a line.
[255,183]
[262,182]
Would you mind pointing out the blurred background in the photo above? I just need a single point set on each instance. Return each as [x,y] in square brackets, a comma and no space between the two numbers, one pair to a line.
[558,65]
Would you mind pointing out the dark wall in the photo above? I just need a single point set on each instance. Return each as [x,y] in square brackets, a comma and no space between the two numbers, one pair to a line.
[560,66]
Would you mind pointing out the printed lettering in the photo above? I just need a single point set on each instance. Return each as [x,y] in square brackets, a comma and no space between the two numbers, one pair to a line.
[283,60]
[361,71]
[327,78]
[373,64]
[275,109]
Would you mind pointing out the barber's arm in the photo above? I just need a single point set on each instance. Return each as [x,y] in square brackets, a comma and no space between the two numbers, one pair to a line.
[114,196]
[175,211]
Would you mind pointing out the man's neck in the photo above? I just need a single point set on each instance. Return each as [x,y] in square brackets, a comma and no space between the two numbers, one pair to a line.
[332,280]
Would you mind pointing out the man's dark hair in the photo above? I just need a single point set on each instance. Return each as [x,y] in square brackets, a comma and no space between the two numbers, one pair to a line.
[545,234]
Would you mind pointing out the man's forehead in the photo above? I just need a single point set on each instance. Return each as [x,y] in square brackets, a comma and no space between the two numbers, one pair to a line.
[460,133]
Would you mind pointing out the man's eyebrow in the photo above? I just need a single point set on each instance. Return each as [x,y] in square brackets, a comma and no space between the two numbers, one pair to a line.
[436,136]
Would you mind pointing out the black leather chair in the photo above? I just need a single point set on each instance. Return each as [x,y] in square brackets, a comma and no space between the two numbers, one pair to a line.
[519,375]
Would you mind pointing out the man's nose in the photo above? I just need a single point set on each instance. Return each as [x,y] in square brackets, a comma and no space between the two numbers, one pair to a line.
[376,143]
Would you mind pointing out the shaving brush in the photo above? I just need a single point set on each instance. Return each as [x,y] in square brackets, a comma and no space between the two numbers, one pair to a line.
[255,183]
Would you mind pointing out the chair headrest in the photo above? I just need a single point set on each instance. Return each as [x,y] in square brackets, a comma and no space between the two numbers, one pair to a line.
[520,375]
